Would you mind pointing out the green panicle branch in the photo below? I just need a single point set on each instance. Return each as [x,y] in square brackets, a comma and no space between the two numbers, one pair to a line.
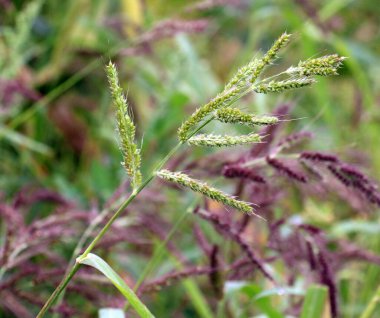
[222,100]
[281,86]
[243,75]
[271,55]
[223,141]
[125,127]
[239,86]
[205,189]
[236,116]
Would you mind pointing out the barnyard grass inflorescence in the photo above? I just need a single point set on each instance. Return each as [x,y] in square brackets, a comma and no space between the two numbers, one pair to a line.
[210,140]
[203,188]
[125,127]
[239,86]
[236,116]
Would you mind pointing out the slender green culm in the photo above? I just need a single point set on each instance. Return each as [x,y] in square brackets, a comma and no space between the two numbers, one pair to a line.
[205,189]
[125,127]
[281,86]
[211,140]
[236,116]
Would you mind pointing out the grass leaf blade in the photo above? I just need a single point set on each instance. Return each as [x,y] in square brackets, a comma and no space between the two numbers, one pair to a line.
[314,302]
[98,263]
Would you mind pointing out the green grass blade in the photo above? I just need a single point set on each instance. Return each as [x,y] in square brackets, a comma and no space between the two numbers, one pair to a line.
[197,298]
[25,142]
[374,302]
[98,263]
[314,302]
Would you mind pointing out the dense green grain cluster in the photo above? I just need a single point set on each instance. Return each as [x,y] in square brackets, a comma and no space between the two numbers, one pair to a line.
[221,100]
[281,86]
[271,55]
[323,66]
[223,141]
[243,75]
[236,116]
[125,127]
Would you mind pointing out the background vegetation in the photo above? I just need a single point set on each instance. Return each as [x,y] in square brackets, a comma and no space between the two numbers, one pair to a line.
[60,162]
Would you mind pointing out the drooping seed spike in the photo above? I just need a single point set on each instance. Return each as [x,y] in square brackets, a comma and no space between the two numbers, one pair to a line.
[281,86]
[236,116]
[205,189]
[223,141]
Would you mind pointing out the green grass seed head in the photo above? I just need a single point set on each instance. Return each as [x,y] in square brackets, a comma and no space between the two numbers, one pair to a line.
[203,188]
[236,116]
[210,140]
[125,127]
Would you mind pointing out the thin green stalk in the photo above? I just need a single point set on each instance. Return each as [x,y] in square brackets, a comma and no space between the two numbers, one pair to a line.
[82,240]
[106,227]
[76,266]
[86,234]
[58,290]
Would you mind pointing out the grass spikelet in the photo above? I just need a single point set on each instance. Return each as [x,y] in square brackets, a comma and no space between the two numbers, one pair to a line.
[211,140]
[333,60]
[205,189]
[125,127]
[236,116]
[243,75]
[271,55]
[222,100]
[280,86]
[322,66]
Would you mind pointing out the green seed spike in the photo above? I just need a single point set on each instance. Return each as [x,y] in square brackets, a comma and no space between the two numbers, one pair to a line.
[322,66]
[205,189]
[125,127]
[281,86]
[271,55]
[236,116]
[223,141]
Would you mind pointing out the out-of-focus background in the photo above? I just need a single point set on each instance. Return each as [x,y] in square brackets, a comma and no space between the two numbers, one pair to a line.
[59,155]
